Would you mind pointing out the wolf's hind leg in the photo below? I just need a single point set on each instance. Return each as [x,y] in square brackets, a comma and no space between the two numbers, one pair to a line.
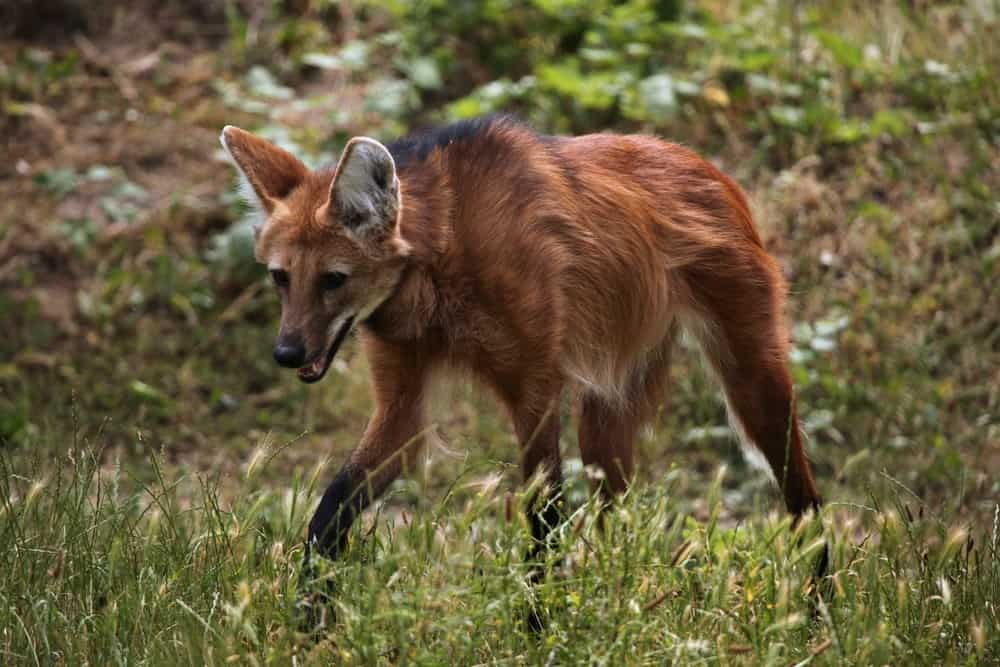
[608,427]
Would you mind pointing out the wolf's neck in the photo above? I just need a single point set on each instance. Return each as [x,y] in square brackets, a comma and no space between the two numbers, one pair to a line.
[428,206]
[426,225]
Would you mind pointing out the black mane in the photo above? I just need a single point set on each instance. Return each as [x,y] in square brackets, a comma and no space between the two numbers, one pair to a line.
[415,147]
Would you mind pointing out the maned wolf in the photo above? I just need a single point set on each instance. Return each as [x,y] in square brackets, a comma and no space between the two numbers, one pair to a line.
[540,265]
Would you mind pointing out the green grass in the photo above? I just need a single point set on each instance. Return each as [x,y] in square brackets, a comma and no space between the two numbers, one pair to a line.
[157,468]
[98,568]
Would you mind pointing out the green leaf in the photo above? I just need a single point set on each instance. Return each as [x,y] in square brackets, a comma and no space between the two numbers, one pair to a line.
[891,122]
[658,97]
[81,232]
[58,181]
[848,131]
[323,61]
[590,91]
[147,392]
[262,83]
[787,115]
[354,55]
[845,53]
[424,73]
[391,97]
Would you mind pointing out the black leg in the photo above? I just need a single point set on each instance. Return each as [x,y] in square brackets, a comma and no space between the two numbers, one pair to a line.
[392,437]
[345,498]
[544,514]
[537,426]
[821,585]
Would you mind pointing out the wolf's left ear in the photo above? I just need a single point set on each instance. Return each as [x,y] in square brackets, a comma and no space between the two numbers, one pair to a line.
[364,197]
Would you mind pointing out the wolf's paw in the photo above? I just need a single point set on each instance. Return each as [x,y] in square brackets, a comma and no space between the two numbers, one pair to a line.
[314,610]
[534,621]
[820,585]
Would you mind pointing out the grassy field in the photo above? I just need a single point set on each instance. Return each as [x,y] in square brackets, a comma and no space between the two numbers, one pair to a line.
[157,468]
[173,573]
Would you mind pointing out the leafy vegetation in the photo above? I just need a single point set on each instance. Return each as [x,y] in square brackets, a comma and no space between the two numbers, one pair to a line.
[157,468]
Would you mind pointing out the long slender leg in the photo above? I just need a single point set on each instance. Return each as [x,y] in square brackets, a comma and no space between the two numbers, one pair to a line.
[391,440]
[534,409]
[391,436]
[538,434]
[607,434]
[608,428]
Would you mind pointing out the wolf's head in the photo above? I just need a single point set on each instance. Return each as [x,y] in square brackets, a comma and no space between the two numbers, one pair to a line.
[329,238]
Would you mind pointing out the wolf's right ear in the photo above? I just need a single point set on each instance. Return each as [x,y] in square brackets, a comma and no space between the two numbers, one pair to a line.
[365,189]
[271,172]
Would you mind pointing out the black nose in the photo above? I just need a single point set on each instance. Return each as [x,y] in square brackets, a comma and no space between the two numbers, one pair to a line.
[290,353]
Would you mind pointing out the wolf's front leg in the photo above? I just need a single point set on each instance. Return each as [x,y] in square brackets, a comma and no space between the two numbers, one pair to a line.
[344,499]
[393,437]
[390,442]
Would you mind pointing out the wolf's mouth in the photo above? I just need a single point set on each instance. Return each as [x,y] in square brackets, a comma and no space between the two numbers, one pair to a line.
[317,368]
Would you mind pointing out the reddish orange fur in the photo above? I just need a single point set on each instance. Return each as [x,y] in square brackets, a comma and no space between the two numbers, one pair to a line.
[545,264]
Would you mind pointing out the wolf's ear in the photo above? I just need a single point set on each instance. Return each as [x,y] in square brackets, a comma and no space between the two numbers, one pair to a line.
[271,172]
[364,196]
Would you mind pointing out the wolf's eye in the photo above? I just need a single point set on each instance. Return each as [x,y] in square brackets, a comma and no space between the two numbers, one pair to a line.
[332,280]
[279,277]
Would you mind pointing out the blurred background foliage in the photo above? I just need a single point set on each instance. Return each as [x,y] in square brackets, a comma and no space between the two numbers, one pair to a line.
[864,133]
